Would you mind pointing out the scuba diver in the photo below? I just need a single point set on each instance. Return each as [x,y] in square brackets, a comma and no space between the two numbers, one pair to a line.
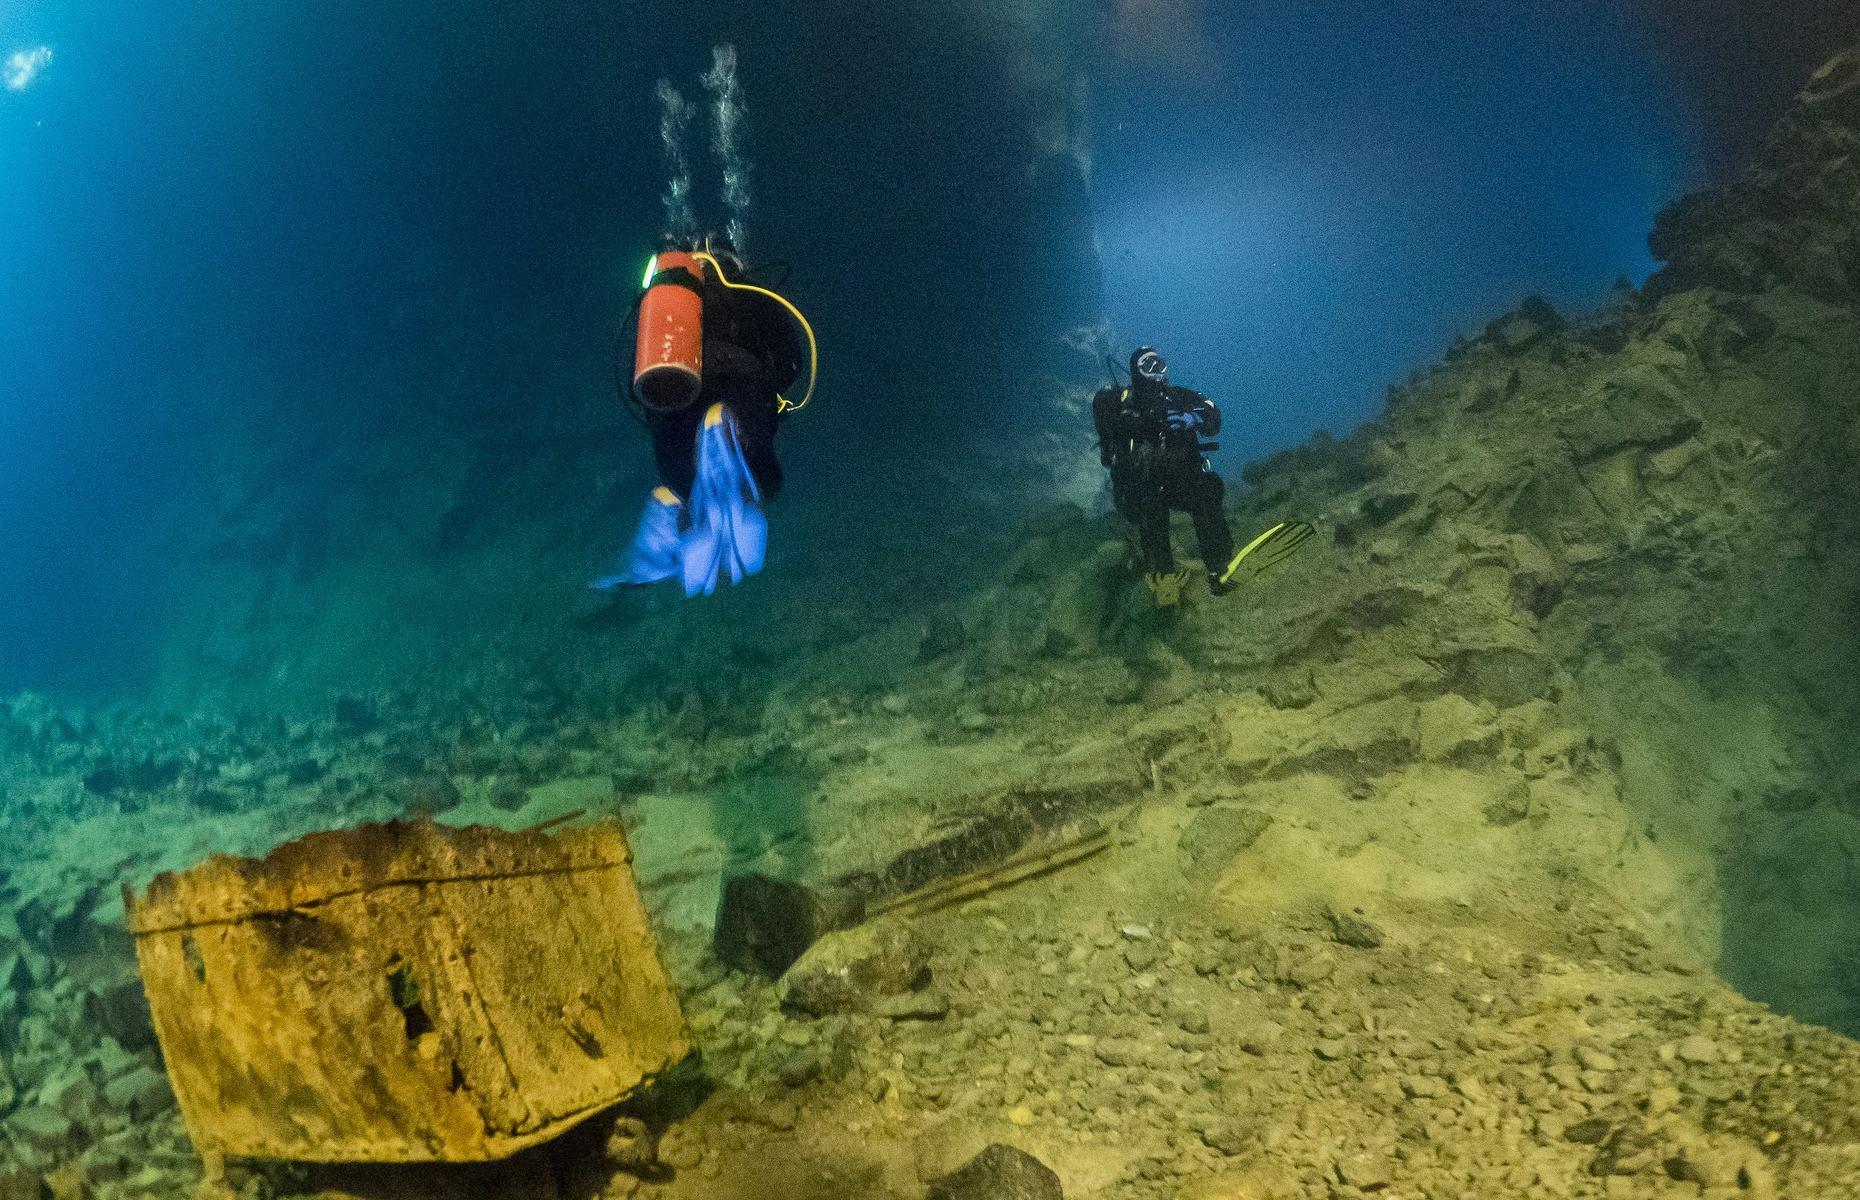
[713,359]
[1150,439]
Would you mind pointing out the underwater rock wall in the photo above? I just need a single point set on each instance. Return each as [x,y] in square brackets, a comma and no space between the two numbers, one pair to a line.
[1610,565]
[1790,219]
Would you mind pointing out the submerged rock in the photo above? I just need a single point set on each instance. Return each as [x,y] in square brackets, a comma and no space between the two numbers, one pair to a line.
[944,636]
[1218,834]
[428,794]
[1700,1050]
[1454,729]
[1511,805]
[1353,930]
[143,1093]
[121,1011]
[44,1129]
[146,775]
[631,1145]
[999,1172]
[1360,744]
[579,793]
[853,970]
[19,1183]
[71,1094]
[1791,218]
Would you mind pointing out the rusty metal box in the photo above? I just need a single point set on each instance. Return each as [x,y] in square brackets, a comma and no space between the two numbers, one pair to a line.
[405,992]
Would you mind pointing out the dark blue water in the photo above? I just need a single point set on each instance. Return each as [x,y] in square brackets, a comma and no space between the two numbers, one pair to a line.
[237,230]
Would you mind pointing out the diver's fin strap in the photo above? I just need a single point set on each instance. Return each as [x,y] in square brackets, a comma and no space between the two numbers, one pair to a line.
[1273,547]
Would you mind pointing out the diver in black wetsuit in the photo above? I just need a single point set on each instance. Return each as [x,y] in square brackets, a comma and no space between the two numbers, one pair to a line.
[1149,437]
[715,448]
[752,353]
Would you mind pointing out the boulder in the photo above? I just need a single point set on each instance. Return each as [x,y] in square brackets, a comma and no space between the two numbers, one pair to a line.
[1218,834]
[1260,1037]
[632,1146]
[70,1093]
[1354,929]
[999,1172]
[943,637]
[853,970]
[121,1011]
[44,1129]
[142,1093]
[112,1060]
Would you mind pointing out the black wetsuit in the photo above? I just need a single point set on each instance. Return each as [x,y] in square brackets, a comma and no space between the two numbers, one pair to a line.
[752,353]
[1157,468]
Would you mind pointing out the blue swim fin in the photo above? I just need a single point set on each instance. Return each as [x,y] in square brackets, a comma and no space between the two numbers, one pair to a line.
[655,547]
[728,533]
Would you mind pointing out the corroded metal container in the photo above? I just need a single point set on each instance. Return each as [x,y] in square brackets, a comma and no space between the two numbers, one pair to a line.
[405,992]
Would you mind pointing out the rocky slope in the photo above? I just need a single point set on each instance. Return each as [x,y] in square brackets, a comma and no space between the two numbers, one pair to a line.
[1505,842]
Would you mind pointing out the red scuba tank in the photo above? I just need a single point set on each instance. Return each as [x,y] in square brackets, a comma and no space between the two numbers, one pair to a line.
[668,362]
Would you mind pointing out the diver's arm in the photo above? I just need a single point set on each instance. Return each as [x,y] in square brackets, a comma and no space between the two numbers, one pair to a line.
[1190,409]
[1211,420]
[1104,405]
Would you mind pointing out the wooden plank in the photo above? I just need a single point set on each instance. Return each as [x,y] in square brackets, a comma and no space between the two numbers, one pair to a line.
[765,923]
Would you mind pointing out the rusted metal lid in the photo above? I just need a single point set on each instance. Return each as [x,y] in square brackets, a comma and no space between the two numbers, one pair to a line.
[322,866]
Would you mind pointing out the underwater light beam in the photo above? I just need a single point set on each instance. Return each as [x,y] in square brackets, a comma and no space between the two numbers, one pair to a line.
[23,66]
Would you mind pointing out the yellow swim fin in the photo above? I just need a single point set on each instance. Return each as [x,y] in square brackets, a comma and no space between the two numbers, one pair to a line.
[1270,548]
[1166,587]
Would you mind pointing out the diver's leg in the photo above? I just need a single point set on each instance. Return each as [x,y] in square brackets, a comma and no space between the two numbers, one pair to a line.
[1206,497]
[654,554]
[1151,517]
[757,416]
[674,447]
[1145,506]
[1122,501]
